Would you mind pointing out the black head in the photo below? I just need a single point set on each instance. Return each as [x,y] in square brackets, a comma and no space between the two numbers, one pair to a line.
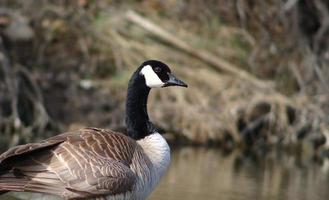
[157,74]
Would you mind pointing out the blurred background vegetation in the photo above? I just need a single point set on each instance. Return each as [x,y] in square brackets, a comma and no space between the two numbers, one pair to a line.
[257,70]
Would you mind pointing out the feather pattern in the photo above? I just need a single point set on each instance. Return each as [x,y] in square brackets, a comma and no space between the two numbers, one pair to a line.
[83,164]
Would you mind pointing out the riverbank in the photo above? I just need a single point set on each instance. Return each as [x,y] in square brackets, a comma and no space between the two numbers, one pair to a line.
[251,85]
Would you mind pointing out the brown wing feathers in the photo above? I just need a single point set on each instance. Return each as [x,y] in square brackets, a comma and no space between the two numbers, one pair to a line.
[75,164]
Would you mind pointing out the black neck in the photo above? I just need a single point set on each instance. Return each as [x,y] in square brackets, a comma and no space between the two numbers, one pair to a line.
[137,119]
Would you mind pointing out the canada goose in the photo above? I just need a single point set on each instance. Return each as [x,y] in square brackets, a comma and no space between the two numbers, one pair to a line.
[97,163]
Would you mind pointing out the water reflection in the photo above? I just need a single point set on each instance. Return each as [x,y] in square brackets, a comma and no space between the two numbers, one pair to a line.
[197,173]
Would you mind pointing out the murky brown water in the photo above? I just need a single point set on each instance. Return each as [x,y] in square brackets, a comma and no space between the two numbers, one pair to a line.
[209,174]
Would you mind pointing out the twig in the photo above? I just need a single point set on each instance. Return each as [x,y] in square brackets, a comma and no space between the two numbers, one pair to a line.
[324,13]
[325,133]
[298,76]
[205,56]
[241,13]
[322,79]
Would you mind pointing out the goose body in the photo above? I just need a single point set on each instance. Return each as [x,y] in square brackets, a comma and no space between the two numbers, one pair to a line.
[97,163]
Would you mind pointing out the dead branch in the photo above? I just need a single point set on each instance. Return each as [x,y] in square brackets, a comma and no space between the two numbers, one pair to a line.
[26,115]
[33,94]
[10,83]
[205,56]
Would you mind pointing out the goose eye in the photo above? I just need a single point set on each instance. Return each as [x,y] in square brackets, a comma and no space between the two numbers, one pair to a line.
[157,69]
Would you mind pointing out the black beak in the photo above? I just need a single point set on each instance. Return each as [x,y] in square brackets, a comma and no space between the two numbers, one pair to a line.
[173,81]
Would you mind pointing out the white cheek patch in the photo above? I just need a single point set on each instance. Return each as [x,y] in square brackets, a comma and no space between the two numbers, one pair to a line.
[151,78]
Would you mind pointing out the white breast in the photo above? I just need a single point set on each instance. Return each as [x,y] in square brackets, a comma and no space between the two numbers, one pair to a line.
[149,163]
[158,151]
[152,165]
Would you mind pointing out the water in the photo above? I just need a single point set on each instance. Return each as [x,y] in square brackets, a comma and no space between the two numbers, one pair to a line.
[210,174]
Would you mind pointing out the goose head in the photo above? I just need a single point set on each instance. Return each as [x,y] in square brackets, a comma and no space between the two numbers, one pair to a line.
[157,75]
[150,74]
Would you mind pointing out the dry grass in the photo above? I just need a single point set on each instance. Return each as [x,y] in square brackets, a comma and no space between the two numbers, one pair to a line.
[216,108]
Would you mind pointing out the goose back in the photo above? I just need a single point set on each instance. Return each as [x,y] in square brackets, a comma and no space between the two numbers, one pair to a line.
[86,163]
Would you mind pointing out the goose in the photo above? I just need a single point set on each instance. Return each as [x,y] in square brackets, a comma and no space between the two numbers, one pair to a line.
[94,163]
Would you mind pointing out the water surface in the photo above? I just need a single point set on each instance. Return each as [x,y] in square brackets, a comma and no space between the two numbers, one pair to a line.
[210,174]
